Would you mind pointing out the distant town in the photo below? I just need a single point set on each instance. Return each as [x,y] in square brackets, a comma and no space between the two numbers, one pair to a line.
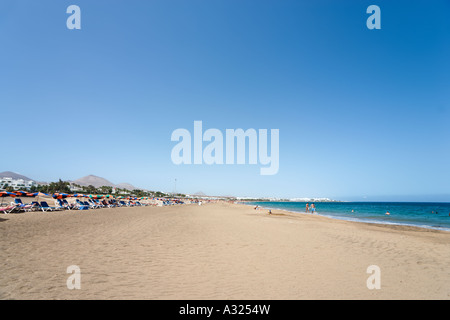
[11,181]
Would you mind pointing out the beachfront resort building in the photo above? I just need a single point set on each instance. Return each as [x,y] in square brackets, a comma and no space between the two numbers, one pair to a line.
[75,187]
[17,184]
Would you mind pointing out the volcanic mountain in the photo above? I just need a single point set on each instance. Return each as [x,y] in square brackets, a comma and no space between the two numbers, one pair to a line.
[100,182]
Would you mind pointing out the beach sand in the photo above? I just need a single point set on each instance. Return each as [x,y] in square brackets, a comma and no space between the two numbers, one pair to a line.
[216,251]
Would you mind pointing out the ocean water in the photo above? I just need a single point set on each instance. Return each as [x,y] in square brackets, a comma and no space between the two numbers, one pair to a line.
[420,214]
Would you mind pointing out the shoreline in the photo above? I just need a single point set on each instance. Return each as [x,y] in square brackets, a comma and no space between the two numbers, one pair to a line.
[358,220]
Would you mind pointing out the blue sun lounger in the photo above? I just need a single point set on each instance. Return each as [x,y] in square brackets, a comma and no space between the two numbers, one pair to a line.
[81,205]
[45,207]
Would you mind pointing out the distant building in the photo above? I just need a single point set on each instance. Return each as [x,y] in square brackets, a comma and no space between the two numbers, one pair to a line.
[17,184]
[75,188]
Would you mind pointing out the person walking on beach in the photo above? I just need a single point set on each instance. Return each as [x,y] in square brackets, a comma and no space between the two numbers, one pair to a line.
[313,208]
[307,207]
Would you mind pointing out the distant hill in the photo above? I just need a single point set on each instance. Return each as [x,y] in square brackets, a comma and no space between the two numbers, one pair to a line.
[93,181]
[13,175]
[125,185]
[100,182]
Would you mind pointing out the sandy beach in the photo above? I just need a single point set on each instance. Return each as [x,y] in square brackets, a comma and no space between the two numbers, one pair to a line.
[216,251]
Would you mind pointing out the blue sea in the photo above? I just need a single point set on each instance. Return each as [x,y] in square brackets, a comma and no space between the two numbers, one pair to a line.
[420,214]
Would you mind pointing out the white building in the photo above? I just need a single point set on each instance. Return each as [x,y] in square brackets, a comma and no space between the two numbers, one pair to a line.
[17,184]
[75,188]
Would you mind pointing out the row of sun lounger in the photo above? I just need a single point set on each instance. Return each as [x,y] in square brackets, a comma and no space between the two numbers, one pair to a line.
[62,204]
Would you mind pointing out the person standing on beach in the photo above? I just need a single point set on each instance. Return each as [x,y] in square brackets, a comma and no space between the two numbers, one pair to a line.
[307,207]
[313,208]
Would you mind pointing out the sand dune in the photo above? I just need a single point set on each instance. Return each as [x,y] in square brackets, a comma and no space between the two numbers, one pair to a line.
[216,251]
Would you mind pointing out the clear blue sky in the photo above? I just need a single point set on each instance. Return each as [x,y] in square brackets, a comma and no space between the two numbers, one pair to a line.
[363,114]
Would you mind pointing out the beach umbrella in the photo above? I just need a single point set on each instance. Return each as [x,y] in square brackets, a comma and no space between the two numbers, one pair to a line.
[4,194]
[95,196]
[21,193]
[60,195]
[7,194]
[39,194]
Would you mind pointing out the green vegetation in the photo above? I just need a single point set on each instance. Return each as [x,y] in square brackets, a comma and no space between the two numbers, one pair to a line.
[67,187]
[53,187]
